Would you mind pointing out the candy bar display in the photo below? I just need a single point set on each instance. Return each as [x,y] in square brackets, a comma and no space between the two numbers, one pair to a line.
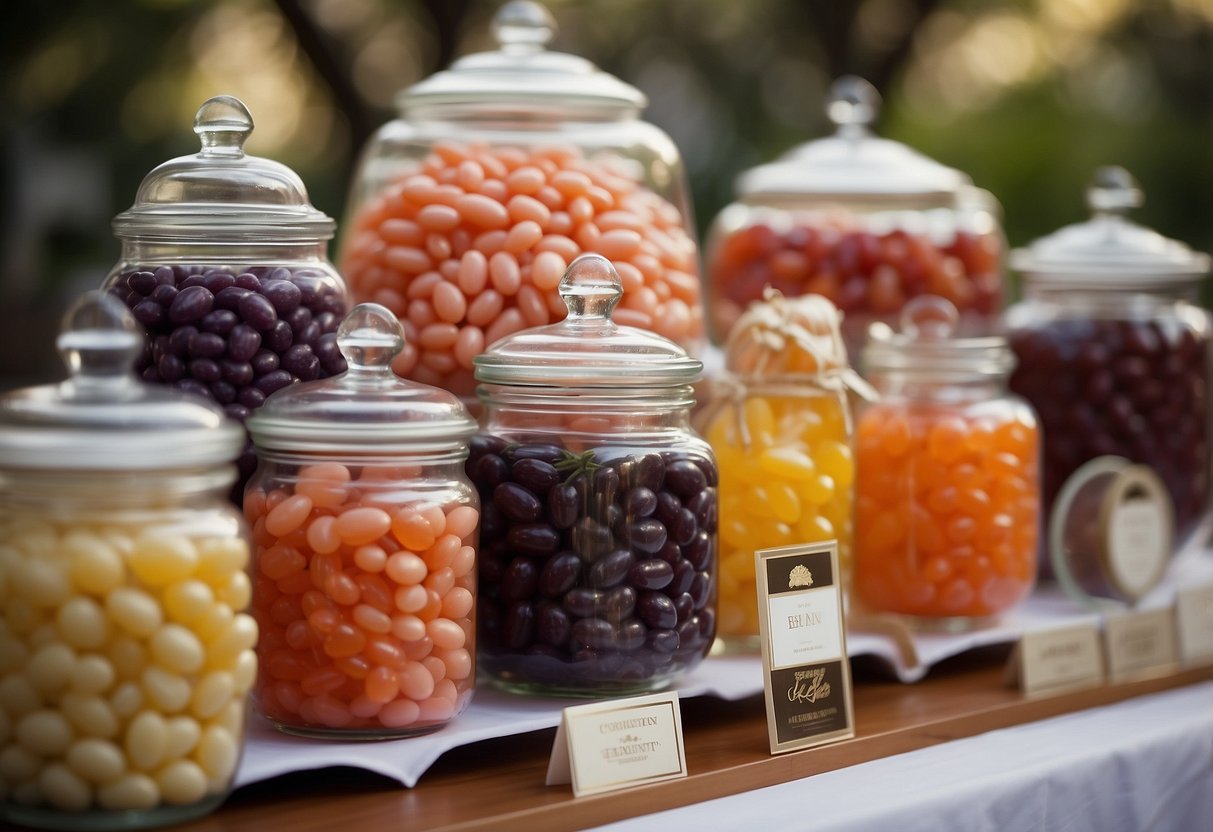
[224,264]
[125,654]
[865,222]
[779,422]
[947,494]
[366,532]
[598,532]
[1114,348]
[466,210]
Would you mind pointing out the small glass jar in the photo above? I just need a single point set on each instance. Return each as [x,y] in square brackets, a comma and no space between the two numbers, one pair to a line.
[1114,348]
[947,494]
[779,421]
[125,654]
[598,558]
[866,222]
[365,528]
[224,263]
[465,211]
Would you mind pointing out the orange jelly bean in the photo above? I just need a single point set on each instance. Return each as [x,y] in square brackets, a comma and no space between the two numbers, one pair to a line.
[946,520]
[366,602]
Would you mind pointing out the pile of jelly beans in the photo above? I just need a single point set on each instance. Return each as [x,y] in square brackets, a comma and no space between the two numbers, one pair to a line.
[365,602]
[791,483]
[597,569]
[471,247]
[1132,388]
[946,508]
[866,274]
[124,664]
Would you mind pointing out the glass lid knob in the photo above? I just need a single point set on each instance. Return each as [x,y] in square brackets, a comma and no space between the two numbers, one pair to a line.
[523,26]
[223,124]
[99,342]
[590,288]
[852,105]
[929,318]
[1113,190]
[369,337]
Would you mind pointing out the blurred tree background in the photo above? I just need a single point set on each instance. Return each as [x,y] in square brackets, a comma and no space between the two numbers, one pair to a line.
[1027,96]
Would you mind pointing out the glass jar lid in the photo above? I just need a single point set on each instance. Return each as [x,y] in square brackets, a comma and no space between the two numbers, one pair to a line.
[222,193]
[854,163]
[587,348]
[366,409]
[1109,247]
[522,74]
[102,417]
[926,346]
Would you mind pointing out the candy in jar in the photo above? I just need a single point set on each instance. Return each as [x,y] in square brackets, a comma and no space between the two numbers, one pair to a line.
[947,494]
[866,222]
[598,537]
[224,264]
[366,530]
[1114,346]
[467,209]
[779,422]
[125,652]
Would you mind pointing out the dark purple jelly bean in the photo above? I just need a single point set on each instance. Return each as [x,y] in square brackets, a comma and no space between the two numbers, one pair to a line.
[249,281]
[619,603]
[160,347]
[701,589]
[535,475]
[708,467]
[301,362]
[640,502]
[594,633]
[278,337]
[545,453]
[264,362]
[258,312]
[668,506]
[219,321]
[223,392]
[297,318]
[657,610]
[699,550]
[684,478]
[488,471]
[518,629]
[283,294]
[164,295]
[519,581]
[684,528]
[327,321]
[191,281]
[179,340]
[194,387]
[707,622]
[216,282]
[331,359]
[663,641]
[560,574]
[205,369]
[517,503]
[309,334]
[584,603]
[603,485]
[689,636]
[610,570]
[671,552]
[684,574]
[191,304]
[651,574]
[142,282]
[538,539]
[171,368]
[563,506]
[552,624]
[273,381]
[630,636]
[238,373]
[206,345]
[250,397]
[684,604]
[149,313]
[243,342]
[164,275]
[703,506]
[647,535]
[230,298]
[483,443]
[591,539]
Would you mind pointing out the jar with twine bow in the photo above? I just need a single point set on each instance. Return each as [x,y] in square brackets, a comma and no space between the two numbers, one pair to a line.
[779,420]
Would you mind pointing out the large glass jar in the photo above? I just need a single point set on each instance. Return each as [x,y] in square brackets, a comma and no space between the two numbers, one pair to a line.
[125,654]
[865,222]
[224,263]
[947,494]
[1114,348]
[465,211]
[779,420]
[365,528]
[598,538]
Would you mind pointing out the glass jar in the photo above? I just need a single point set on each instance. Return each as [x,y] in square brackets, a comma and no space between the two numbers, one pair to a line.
[598,541]
[1113,348]
[224,264]
[365,528]
[465,211]
[947,494]
[866,222]
[779,421]
[125,657]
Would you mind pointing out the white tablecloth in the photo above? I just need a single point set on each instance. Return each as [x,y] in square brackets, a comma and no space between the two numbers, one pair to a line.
[1142,764]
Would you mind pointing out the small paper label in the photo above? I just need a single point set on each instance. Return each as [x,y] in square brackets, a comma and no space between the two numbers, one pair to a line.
[1194,618]
[1140,643]
[1138,545]
[1059,657]
[806,674]
[603,746]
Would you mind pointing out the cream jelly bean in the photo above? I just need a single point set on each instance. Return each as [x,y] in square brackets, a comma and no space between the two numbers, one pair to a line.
[364,587]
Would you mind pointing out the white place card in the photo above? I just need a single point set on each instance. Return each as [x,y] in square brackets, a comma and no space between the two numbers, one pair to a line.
[806,673]
[603,746]
[1058,658]
[1194,621]
[1140,643]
